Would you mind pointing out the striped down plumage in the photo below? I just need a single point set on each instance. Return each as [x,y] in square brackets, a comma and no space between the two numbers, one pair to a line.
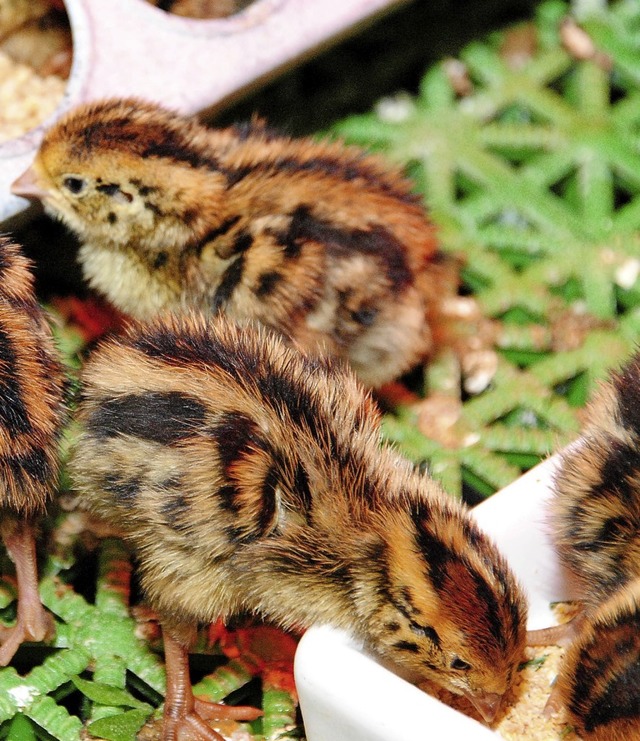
[251,477]
[321,242]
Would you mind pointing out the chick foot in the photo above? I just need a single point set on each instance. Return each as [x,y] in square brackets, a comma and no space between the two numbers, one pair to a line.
[33,622]
[185,716]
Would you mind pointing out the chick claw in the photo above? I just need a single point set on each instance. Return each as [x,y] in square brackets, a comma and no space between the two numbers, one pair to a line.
[32,625]
[217,711]
[190,724]
[189,727]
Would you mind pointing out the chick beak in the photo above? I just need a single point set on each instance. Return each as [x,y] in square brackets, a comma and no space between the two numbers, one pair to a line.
[486,703]
[27,186]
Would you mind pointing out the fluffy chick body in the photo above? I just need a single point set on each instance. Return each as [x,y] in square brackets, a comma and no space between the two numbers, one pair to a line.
[596,509]
[596,522]
[250,477]
[600,677]
[31,416]
[319,241]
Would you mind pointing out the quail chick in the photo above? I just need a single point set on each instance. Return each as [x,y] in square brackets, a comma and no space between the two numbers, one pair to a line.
[599,682]
[320,242]
[595,512]
[31,417]
[595,519]
[249,476]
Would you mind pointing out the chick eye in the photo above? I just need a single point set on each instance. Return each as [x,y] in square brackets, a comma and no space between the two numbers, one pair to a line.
[460,665]
[74,185]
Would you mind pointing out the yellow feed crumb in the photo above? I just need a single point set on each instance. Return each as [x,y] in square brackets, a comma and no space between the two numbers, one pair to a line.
[25,98]
[524,717]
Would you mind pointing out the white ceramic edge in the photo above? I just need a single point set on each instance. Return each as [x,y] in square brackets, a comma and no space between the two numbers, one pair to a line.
[345,695]
[130,48]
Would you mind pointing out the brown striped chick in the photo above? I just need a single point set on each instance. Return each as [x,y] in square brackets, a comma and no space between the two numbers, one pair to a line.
[31,417]
[599,682]
[595,512]
[595,518]
[250,477]
[320,242]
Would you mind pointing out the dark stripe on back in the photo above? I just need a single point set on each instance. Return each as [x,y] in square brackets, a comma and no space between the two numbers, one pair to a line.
[217,232]
[199,347]
[122,489]
[267,283]
[14,417]
[288,398]
[269,500]
[235,435]
[162,417]
[35,463]
[622,460]
[302,489]
[175,148]
[300,406]
[619,702]
[230,280]
[627,388]
[344,169]
[375,242]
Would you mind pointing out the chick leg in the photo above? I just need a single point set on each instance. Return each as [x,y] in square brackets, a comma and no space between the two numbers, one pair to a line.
[556,635]
[33,623]
[185,716]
